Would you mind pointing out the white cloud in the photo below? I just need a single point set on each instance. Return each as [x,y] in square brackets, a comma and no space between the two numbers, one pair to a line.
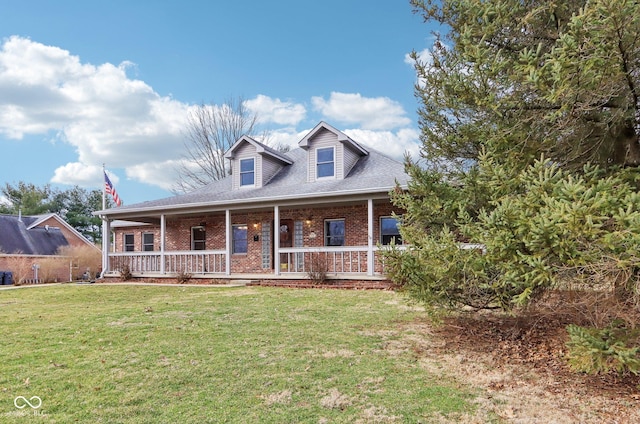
[371,113]
[82,175]
[112,118]
[286,137]
[393,144]
[162,174]
[107,116]
[275,110]
[424,56]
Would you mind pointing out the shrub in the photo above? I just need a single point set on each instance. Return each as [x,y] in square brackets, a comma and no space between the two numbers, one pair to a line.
[183,277]
[21,268]
[317,267]
[86,260]
[125,273]
[50,268]
[542,227]
[600,351]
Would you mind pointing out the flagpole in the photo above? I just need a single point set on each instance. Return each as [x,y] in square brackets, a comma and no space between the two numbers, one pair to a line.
[105,236]
[104,189]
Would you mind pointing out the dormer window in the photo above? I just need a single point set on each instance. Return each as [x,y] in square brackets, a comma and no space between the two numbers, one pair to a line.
[247,172]
[325,162]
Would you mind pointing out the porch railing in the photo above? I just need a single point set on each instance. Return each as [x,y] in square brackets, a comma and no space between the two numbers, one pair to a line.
[333,260]
[175,262]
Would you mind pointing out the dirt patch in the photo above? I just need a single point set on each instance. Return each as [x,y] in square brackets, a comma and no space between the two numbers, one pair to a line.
[520,368]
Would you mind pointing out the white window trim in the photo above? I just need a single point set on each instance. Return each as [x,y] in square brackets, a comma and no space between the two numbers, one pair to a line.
[240,172]
[124,242]
[380,227]
[324,230]
[233,239]
[153,243]
[330,177]
[193,242]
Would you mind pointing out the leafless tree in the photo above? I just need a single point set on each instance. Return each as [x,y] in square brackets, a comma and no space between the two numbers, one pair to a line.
[210,131]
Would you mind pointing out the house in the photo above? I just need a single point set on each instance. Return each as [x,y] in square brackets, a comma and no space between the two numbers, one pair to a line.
[30,247]
[323,206]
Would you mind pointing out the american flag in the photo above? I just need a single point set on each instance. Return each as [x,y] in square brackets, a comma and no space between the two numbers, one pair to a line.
[112,191]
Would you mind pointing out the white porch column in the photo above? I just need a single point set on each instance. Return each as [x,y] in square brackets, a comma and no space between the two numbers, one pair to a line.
[163,232]
[276,239]
[370,253]
[106,243]
[227,218]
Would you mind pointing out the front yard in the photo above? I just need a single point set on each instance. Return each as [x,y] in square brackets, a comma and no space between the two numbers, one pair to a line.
[103,353]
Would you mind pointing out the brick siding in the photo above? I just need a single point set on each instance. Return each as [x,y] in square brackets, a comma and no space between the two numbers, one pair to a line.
[178,231]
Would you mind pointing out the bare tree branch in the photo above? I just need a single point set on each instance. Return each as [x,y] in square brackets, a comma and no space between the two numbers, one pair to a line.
[211,130]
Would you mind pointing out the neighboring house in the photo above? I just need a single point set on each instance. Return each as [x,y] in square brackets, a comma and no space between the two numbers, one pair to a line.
[30,246]
[329,200]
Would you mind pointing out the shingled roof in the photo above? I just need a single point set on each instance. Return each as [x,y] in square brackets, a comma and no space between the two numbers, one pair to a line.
[19,236]
[374,173]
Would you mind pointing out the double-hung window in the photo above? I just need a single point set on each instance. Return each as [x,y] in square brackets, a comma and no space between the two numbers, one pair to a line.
[239,238]
[390,230]
[147,242]
[198,238]
[325,162]
[128,243]
[334,232]
[247,172]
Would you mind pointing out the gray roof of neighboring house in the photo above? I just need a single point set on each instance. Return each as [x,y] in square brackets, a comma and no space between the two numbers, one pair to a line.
[374,173]
[17,238]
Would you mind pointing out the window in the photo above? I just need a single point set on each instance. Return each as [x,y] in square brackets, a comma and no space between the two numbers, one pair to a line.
[334,232]
[239,238]
[128,243]
[198,238]
[325,162]
[147,242]
[390,230]
[247,172]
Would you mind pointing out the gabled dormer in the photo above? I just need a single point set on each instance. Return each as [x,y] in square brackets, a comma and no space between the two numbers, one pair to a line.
[330,153]
[253,164]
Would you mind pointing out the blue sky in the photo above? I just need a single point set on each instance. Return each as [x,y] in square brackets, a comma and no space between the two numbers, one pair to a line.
[84,83]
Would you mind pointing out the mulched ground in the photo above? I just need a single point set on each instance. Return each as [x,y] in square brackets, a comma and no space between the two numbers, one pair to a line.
[536,342]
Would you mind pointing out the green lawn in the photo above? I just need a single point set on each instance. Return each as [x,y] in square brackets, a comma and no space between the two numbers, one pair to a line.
[109,354]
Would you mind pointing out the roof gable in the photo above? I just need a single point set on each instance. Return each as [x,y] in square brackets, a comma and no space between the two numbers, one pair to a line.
[261,149]
[342,137]
[67,229]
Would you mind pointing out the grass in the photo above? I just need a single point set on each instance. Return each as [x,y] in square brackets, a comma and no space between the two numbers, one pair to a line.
[144,354]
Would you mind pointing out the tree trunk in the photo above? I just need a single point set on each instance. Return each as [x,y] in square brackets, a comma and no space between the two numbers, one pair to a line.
[627,147]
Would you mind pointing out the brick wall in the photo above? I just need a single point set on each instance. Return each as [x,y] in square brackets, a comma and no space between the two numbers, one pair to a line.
[52,268]
[71,237]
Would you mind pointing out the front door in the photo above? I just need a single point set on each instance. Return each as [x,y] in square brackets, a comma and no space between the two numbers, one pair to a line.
[286,240]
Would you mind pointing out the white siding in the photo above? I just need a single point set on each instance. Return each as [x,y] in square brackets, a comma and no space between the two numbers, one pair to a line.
[339,165]
[350,159]
[258,170]
[246,150]
[269,169]
[324,138]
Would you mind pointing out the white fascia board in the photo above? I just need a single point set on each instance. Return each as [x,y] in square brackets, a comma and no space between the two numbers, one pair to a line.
[257,202]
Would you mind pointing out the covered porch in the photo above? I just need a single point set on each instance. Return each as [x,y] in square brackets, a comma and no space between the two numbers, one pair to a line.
[337,239]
